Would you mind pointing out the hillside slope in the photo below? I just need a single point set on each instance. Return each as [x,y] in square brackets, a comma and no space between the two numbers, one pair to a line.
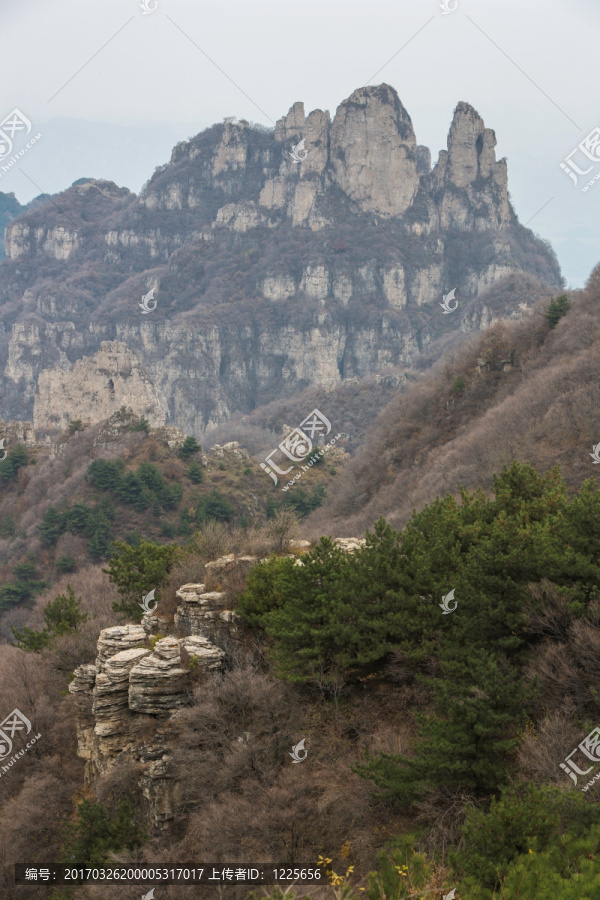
[520,391]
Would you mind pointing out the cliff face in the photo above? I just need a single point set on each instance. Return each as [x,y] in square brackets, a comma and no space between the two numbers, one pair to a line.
[279,259]
[126,699]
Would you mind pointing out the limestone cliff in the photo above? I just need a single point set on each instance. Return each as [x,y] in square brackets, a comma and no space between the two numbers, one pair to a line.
[280,259]
[126,699]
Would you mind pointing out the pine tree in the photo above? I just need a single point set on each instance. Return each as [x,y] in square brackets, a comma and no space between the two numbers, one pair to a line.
[556,309]
[467,745]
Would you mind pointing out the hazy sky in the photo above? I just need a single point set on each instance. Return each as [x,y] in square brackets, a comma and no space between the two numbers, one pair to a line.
[111,89]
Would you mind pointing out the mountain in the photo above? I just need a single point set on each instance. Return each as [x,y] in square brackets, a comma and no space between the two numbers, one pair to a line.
[525,391]
[279,260]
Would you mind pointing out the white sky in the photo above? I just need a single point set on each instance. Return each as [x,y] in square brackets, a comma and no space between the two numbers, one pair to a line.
[150,86]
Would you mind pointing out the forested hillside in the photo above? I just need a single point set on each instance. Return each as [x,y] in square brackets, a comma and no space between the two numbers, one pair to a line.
[438,675]
[526,390]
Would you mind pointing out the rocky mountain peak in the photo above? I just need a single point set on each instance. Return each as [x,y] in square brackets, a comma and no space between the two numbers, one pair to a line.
[270,263]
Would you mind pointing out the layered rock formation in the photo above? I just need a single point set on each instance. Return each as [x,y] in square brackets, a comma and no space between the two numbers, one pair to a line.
[281,259]
[123,698]
[139,679]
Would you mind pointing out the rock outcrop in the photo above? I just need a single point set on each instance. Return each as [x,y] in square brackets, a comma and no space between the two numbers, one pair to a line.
[139,679]
[303,256]
[123,698]
[95,388]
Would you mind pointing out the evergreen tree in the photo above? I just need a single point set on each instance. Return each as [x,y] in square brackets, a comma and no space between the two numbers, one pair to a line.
[94,836]
[51,527]
[556,309]
[138,570]
[105,474]
[16,458]
[467,745]
[189,447]
[62,615]
[195,473]
[214,506]
[24,588]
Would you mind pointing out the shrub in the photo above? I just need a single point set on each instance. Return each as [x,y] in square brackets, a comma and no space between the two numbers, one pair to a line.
[105,474]
[281,528]
[23,589]
[137,570]
[196,473]
[93,836]
[521,822]
[65,564]
[303,501]
[556,309]
[214,506]
[15,459]
[189,447]
[62,615]
[51,527]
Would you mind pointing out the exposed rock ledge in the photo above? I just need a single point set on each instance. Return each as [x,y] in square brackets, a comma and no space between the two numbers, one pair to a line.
[125,698]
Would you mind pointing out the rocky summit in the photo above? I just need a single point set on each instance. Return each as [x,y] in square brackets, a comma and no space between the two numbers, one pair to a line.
[278,259]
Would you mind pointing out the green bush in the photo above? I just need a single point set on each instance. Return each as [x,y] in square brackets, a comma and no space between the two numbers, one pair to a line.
[62,615]
[105,474]
[24,588]
[505,846]
[303,501]
[51,527]
[15,460]
[137,570]
[196,473]
[65,564]
[168,529]
[213,506]
[93,836]
[189,447]
[556,309]
[143,488]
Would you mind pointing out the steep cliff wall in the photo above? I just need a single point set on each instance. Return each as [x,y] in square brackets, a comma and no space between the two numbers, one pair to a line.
[281,259]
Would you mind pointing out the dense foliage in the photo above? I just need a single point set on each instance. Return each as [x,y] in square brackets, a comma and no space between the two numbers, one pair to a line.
[61,615]
[143,488]
[23,588]
[138,570]
[346,613]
